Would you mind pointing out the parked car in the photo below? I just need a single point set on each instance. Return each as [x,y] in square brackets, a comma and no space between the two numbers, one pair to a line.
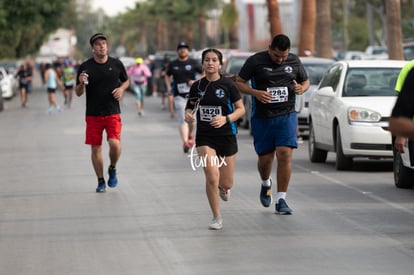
[376,52]
[408,50]
[350,55]
[349,111]
[404,166]
[8,83]
[315,68]
[232,65]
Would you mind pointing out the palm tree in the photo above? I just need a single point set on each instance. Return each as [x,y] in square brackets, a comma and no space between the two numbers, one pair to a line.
[394,32]
[307,29]
[230,21]
[274,17]
[323,38]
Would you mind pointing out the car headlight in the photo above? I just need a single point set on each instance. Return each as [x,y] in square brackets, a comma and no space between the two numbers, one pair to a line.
[363,115]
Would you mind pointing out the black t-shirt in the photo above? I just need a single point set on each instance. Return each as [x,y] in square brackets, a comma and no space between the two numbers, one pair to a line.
[404,105]
[217,98]
[182,72]
[23,75]
[103,79]
[266,75]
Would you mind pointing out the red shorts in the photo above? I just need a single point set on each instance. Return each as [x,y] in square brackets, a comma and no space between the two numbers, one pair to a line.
[95,125]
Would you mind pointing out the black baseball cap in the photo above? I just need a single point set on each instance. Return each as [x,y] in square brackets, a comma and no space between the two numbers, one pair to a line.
[182,45]
[96,36]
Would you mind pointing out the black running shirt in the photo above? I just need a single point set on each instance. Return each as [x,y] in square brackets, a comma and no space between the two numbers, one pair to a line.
[266,75]
[182,72]
[217,98]
[103,79]
[404,106]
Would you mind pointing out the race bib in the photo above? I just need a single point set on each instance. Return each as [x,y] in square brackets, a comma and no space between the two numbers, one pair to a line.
[183,88]
[279,94]
[208,112]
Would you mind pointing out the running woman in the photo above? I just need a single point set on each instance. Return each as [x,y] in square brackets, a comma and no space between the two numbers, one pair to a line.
[211,102]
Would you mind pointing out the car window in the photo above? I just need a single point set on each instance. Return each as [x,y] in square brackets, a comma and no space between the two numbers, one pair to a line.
[371,82]
[332,77]
[315,72]
[408,52]
[234,65]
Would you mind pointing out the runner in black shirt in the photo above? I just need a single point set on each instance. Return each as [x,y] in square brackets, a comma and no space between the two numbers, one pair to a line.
[104,81]
[216,104]
[402,117]
[180,75]
[276,77]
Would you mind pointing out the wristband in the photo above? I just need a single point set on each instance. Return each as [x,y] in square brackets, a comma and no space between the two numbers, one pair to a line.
[228,119]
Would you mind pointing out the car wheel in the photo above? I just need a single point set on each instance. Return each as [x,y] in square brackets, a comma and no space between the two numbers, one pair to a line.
[342,162]
[402,175]
[315,154]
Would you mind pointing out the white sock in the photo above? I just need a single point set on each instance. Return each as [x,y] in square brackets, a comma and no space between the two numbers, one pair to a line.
[280,195]
[266,182]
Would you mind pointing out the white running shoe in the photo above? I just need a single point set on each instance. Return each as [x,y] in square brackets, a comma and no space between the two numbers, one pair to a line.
[216,224]
[224,193]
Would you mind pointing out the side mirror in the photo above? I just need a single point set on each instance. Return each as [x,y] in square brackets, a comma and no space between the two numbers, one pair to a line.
[326,91]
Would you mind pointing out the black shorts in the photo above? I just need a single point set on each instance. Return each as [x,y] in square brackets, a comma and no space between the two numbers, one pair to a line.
[225,146]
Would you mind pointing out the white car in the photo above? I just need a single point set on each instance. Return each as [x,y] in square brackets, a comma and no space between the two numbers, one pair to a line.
[8,84]
[349,111]
[315,68]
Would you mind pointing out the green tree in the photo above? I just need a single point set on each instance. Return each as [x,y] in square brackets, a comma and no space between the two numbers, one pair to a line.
[25,24]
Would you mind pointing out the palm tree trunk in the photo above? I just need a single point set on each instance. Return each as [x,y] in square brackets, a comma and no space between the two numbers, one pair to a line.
[323,38]
[274,18]
[394,33]
[234,29]
[202,29]
[307,29]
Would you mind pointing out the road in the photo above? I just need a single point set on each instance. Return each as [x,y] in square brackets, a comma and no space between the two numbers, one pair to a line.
[155,221]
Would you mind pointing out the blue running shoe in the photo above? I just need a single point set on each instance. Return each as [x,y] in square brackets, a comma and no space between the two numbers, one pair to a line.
[113,180]
[282,208]
[101,187]
[266,195]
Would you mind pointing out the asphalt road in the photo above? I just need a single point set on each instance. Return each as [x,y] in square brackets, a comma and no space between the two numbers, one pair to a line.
[155,222]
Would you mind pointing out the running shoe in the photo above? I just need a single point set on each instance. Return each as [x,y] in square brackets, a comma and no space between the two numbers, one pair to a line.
[266,195]
[216,224]
[224,193]
[113,180]
[282,208]
[101,186]
[186,147]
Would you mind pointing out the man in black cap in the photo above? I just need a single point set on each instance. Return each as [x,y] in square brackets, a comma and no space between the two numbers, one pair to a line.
[179,77]
[104,80]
